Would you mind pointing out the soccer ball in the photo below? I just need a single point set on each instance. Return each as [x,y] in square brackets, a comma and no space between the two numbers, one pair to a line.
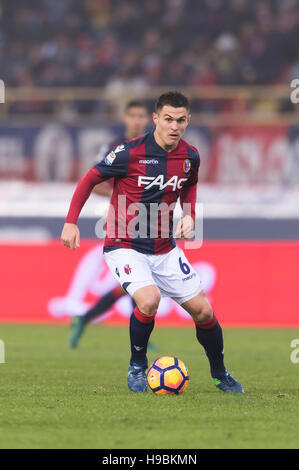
[167,376]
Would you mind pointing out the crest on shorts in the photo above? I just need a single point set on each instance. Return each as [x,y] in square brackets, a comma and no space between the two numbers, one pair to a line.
[109,159]
[127,269]
[186,165]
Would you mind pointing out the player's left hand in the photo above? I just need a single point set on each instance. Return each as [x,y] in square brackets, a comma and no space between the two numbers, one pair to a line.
[185,228]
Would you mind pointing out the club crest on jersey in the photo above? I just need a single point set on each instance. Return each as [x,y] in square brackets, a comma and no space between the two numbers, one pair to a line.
[150,181]
[186,165]
[127,269]
[109,159]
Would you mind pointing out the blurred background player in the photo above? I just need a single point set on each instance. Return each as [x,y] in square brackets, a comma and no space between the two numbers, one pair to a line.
[135,120]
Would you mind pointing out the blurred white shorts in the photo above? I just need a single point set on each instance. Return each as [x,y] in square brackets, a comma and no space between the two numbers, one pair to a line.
[170,272]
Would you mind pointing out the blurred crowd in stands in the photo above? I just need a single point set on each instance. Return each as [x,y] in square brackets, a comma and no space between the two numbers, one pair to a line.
[113,43]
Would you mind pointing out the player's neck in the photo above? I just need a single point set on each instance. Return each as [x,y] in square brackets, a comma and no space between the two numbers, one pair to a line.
[161,143]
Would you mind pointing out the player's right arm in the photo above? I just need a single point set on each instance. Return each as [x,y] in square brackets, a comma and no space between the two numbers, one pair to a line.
[70,236]
[114,165]
[103,189]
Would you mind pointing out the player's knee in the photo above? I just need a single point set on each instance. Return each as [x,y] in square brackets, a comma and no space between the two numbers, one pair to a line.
[149,305]
[204,314]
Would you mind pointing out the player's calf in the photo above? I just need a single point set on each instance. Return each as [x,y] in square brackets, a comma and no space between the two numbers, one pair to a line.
[208,332]
[141,327]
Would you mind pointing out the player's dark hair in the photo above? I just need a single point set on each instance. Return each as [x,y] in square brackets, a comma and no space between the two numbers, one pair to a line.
[135,104]
[174,99]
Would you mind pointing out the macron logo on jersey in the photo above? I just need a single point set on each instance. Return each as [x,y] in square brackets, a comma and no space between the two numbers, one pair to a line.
[112,155]
[119,148]
[150,181]
[149,162]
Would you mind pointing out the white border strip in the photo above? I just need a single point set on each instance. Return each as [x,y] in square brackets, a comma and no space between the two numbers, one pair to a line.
[2,92]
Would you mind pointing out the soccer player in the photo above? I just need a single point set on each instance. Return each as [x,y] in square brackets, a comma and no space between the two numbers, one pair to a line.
[159,167]
[135,120]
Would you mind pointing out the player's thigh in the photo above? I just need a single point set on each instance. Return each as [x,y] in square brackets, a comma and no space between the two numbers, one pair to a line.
[147,299]
[176,277]
[130,268]
[199,307]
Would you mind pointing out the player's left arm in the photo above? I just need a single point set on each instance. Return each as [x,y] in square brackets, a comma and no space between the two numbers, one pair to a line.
[188,195]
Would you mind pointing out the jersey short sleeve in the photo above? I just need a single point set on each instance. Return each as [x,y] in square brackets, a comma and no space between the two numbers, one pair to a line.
[115,163]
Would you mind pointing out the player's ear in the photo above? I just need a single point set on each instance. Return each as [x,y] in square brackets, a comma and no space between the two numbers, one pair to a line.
[155,117]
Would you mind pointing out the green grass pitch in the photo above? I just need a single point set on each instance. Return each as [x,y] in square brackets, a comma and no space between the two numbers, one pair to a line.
[54,397]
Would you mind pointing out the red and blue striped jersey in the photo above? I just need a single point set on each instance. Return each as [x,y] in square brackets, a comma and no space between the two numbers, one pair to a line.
[144,173]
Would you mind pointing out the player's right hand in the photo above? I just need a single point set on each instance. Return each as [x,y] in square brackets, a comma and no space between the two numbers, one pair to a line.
[70,236]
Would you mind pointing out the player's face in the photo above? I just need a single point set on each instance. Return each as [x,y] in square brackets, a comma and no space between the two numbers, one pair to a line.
[135,120]
[171,124]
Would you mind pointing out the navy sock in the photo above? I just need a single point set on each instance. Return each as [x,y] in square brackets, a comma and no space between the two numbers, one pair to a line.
[100,307]
[212,341]
[139,336]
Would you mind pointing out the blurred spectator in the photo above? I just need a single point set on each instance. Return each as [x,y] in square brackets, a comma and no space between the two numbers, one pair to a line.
[151,42]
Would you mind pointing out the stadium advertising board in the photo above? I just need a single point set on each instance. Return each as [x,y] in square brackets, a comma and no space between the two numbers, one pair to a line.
[248,283]
[240,154]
